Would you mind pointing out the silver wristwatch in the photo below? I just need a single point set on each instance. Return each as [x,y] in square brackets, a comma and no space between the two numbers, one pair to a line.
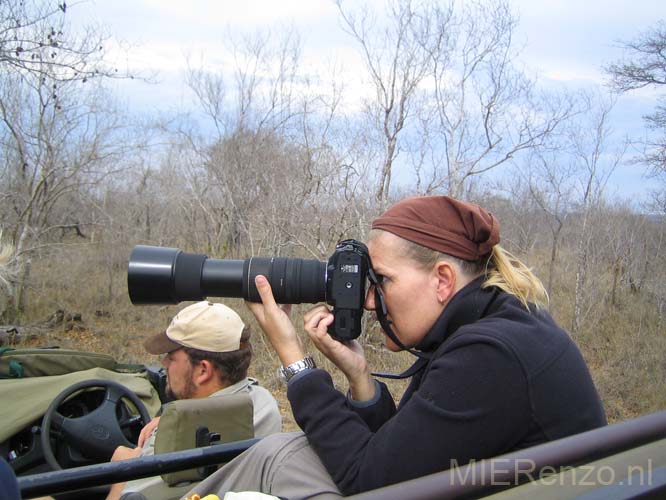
[287,372]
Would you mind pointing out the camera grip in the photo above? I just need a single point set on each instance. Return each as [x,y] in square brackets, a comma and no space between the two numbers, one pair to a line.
[346,325]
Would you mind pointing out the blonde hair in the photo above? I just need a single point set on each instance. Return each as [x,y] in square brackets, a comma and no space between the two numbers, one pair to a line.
[508,273]
[501,268]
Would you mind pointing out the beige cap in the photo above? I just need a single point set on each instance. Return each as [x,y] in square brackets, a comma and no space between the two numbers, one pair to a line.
[205,326]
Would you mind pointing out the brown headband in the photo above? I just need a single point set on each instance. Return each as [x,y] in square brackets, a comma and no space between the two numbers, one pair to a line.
[442,223]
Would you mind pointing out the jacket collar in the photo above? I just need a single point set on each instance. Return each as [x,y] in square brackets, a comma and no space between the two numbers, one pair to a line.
[467,306]
[240,386]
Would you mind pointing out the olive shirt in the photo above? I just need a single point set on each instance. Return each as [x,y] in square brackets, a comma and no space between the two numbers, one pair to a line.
[501,378]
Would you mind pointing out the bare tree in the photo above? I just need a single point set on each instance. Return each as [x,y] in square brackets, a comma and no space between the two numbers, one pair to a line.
[645,66]
[487,110]
[397,60]
[625,250]
[272,176]
[53,151]
[595,160]
[254,110]
[449,96]
[36,39]
[57,127]
[550,175]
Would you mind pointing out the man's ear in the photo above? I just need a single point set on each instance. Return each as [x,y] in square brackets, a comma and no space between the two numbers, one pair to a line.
[203,372]
[447,276]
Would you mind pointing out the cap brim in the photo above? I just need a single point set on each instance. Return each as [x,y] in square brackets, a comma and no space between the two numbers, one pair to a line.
[160,344]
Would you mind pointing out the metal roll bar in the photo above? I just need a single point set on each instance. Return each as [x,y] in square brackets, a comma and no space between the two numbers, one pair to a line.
[49,483]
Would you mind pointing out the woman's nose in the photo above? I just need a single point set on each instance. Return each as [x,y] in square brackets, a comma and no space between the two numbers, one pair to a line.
[369,304]
[165,361]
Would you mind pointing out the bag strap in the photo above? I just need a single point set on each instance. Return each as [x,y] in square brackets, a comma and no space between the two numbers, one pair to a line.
[15,367]
[15,370]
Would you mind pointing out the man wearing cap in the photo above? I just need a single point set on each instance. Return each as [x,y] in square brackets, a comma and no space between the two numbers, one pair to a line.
[207,353]
[493,374]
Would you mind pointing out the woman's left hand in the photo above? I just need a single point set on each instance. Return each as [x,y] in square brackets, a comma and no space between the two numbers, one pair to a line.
[347,356]
[274,321]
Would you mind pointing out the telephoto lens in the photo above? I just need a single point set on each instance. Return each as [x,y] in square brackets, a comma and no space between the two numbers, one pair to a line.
[161,275]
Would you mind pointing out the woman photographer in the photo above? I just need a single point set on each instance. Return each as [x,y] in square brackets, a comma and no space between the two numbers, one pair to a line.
[494,373]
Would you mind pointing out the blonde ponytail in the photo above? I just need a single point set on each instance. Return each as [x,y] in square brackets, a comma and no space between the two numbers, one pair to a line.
[508,273]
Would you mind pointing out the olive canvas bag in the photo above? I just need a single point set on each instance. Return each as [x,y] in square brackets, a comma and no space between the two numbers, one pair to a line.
[48,361]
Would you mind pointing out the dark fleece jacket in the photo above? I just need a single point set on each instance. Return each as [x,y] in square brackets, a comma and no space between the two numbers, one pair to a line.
[500,378]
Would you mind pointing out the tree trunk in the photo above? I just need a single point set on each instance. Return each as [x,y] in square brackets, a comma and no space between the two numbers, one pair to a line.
[581,275]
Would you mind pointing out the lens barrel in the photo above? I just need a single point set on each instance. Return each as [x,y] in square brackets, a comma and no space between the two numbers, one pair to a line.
[293,281]
[161,275]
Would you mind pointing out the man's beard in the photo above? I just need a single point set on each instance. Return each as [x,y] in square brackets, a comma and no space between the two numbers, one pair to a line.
[187,392]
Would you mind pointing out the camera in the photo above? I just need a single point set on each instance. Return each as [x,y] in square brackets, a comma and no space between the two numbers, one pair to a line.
[161,275]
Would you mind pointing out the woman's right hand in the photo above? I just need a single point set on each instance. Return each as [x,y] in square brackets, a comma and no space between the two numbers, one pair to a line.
[347,356]
[274,321]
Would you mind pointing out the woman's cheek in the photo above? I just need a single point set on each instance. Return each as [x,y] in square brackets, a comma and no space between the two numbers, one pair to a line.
[390,345]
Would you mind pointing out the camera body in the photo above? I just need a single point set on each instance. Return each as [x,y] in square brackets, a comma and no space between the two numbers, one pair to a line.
[347,273]
[160,275]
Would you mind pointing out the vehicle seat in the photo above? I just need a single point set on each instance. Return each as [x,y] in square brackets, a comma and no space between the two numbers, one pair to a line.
[229,415]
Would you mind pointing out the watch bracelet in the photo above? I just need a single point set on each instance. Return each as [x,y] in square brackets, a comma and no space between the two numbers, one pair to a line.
[289,371]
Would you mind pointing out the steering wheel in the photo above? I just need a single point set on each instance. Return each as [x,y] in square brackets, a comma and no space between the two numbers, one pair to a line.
[98,433]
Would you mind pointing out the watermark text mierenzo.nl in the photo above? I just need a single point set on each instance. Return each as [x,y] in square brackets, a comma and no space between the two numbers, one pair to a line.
[506,472]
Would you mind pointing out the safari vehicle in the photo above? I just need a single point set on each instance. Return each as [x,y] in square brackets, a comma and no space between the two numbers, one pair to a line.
[58,432]
[64,409]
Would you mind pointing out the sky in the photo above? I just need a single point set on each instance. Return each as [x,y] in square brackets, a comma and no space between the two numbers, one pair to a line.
[565,43]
